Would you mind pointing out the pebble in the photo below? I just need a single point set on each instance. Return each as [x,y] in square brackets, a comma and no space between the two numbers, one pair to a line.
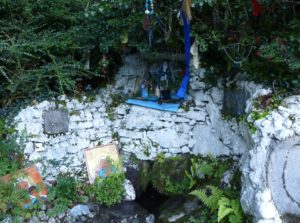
[42,216]
[61,215]
[52,220]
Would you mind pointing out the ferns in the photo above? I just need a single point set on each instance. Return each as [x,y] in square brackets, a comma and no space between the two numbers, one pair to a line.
[215,199]
[208,168]
[231,209]
[207,173]
[210,196]
[237,215]
[224,208]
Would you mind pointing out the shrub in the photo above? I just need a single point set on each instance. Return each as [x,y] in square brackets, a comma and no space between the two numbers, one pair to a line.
[109,190]
[10,153]
[63,194]
[12,200]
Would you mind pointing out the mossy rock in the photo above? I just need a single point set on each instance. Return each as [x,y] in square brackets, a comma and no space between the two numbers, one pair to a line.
[169,175]
[125,212]
[139,173]
[179,209]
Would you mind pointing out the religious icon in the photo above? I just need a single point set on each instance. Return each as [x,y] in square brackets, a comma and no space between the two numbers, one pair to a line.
[30,180]
[101,161]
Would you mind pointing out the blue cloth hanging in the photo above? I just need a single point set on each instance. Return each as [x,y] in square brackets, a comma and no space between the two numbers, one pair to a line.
[187,43]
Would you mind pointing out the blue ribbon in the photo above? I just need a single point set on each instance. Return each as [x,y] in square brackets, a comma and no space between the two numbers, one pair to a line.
[187,43]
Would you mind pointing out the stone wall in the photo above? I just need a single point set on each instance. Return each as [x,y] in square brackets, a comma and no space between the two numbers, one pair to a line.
[145,132]
[271,168]
[269,191]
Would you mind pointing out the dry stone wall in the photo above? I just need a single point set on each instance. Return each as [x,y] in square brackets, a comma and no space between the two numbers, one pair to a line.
[269,156]
[145,132]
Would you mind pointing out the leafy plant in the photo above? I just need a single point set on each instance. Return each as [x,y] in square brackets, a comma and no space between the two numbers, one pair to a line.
[10,153]
[62,194]
[55,46]
[58,46]
[210,196]
[262,107]
[116,100]
[215,199]
[11,157]
[207,169]
[12,200]
[221,199]
[109,190]
[203,217]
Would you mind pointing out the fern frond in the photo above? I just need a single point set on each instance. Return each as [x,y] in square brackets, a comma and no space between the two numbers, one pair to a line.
[235,219]
[237,216]
[207,169]
[210,196]
[224,208]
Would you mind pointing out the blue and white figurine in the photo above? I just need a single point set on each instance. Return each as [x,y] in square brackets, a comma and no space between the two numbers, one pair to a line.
[149,7]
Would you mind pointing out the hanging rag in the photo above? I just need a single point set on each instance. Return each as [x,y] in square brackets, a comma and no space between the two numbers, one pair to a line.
[256,8]
[186,17]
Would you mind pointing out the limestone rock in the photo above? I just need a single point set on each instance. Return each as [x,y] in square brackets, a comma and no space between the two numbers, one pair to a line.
[168,138]
[179,209]
[284,162]
[129,191]
[207,142]
[80,210]
[270,169]
[126,212]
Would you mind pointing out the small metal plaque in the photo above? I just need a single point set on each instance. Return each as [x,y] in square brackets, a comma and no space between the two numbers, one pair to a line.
[234,103]
[56,122]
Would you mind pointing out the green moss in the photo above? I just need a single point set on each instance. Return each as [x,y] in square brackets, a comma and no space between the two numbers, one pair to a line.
[168,175]
[116,100]
[147,151]
[133,158]
[75,112]
[145,174]
[91,98]
[61,102]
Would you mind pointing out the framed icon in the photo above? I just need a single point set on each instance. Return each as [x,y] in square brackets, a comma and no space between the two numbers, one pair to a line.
[101,161]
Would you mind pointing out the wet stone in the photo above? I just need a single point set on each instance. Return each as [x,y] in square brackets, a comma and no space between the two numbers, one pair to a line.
[56,122]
